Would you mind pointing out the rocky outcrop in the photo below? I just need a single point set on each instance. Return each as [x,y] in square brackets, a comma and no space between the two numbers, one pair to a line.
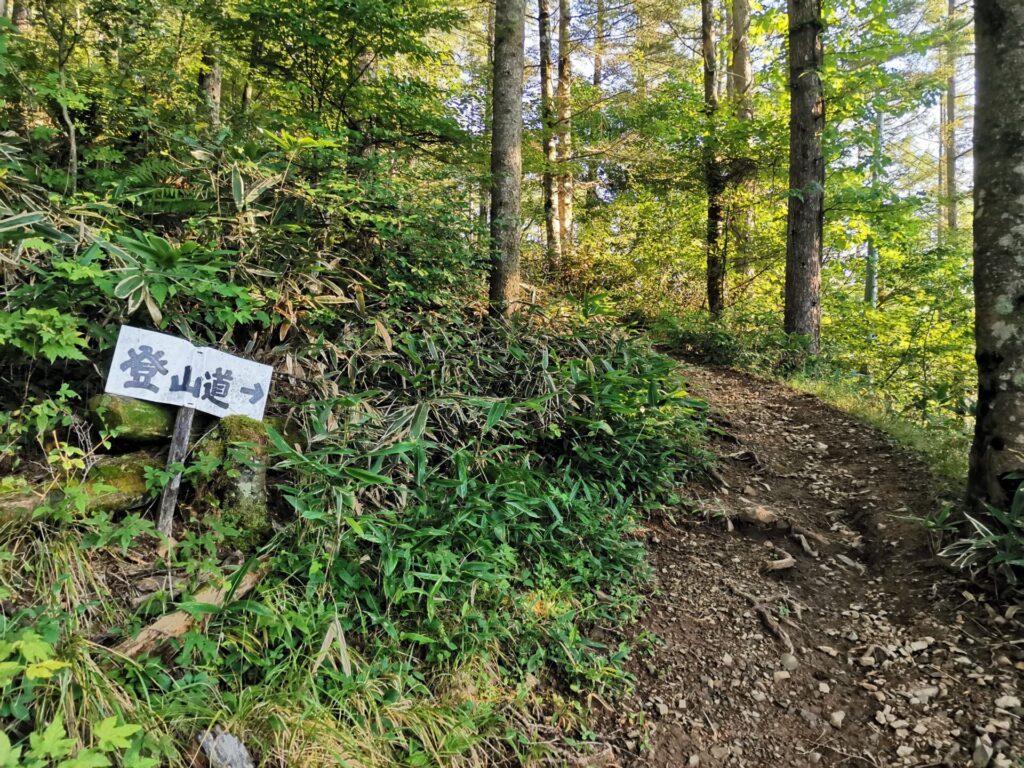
[132,420]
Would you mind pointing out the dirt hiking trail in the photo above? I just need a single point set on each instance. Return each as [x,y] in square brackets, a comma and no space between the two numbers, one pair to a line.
[804,621]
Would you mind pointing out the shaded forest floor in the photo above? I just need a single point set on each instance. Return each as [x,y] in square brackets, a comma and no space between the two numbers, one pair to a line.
[893,660]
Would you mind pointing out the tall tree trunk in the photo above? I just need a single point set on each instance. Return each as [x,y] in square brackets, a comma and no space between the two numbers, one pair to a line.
[712,172]
[58,27]
[805,220]
[997,456]
[255,47]
[15,107]
[69,125]
[740,77]
[506,154]
[565,179]
[592,198]
[871,262]
[210,85]
[738,86]
[484,208]
[21,16]
[940,191]
[949,135]
[553,243]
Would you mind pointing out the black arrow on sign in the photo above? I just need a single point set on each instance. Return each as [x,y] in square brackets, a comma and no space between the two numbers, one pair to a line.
[256,392]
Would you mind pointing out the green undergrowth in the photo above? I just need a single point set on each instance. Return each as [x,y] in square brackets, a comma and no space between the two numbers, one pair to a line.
[457,506]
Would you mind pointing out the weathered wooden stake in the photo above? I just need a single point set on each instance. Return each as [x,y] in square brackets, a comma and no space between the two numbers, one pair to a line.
[176,455]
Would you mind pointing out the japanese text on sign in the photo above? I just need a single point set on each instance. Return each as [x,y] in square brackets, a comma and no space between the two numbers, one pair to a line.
[165,369]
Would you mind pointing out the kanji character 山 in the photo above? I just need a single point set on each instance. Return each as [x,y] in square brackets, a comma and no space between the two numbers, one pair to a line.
[185,383]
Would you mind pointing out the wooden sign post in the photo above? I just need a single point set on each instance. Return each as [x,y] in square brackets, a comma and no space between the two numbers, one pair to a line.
[165,369]
[176,455]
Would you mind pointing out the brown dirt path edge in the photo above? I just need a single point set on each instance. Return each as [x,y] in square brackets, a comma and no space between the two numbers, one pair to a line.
[894,662]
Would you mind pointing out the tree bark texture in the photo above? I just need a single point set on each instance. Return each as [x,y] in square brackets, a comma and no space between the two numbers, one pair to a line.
[739,84]
[592,176]
[506,153]
[805,221]
[949,134]
[21,16]
[210,85]
[871,262]
[565,177]
[998,451]
[740,76]
[484,207]
[712,172]
[553,244]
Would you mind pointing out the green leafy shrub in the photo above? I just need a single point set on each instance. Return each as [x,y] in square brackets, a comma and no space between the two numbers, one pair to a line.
[993,544]
[450,531]
[30,668]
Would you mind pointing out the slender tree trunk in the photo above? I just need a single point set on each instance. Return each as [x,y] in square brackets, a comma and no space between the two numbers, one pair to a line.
[506,154]
[871,273]
[14,106]
[871,262]
[210,85]
[739,83]
[723,25]
[940,192]
[57,26]
[592,198]
[805,221]
[949,135]
[72,134]
[484,208]
[997,456]
[21,16]
[565,179]
[712,172]
[255,47]
[740,76]
[553,244]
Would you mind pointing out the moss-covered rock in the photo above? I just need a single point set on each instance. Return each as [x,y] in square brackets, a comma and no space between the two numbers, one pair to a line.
[118,483]
[242,429]
[133,419]
[244,506]
[19,502]
[113,484]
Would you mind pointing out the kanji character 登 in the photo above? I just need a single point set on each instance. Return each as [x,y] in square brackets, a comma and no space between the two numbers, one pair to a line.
[143,365]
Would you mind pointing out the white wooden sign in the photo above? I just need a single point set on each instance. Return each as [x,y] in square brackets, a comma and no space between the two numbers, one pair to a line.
[165,369]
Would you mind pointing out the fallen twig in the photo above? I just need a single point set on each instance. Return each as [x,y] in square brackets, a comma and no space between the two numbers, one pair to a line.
[781,564]
[807,548]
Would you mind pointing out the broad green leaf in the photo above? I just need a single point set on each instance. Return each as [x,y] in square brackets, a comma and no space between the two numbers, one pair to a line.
[367,477]
[44,670]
